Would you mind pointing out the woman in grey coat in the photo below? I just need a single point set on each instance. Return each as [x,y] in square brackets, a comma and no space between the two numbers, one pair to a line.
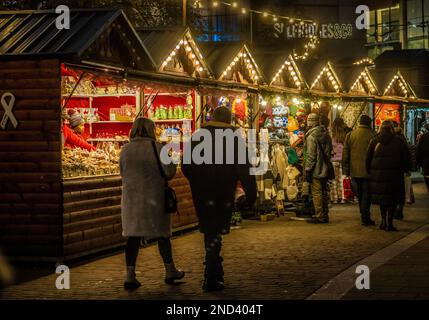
[143,209]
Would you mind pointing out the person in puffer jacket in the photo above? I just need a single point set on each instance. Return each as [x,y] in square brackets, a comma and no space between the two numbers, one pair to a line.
[317,142]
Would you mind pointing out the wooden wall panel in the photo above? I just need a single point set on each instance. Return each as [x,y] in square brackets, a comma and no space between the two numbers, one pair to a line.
[30,161]
[92,212]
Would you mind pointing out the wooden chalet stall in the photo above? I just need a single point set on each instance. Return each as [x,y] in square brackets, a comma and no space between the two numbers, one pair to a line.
[238,80]
[55,203]
[360,90]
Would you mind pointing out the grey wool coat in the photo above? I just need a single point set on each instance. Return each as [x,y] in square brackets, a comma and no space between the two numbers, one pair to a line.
[143,207]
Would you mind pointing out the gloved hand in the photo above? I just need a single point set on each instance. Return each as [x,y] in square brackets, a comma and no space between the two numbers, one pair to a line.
[309,176]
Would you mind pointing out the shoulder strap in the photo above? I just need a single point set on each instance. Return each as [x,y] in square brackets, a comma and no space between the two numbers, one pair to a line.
[158,161]
[325,157]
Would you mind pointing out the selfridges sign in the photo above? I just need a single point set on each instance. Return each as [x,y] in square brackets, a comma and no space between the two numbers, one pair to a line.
[323,31]
[326,30]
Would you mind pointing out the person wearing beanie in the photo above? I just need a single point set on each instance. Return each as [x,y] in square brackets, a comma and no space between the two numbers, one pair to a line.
[317,154]
[76,121]
[72,136]
[213,187]
[353,159]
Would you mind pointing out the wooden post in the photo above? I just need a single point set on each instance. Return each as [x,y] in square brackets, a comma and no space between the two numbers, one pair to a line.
[184,12]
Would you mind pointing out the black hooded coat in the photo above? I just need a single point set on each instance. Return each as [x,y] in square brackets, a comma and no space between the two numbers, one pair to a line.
[387,161]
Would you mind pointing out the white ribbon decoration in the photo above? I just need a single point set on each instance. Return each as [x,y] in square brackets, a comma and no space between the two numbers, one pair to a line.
[8,107]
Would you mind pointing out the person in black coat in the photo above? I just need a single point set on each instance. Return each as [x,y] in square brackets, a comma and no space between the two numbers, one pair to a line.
[213,185]
[423,155]
[387,161]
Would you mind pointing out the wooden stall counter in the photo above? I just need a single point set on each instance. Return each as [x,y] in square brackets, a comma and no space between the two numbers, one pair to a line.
[92,213]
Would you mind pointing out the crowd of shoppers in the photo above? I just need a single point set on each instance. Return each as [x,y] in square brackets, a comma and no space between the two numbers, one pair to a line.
[378,164]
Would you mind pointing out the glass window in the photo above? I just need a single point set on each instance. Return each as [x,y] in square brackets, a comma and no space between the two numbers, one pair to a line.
[415,15]
[395,24]
[416,44]
[370,35]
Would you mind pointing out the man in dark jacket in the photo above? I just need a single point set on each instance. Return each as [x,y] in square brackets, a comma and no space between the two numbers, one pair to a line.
[317,151]
[387,161]
[423,155]
[354,156]
[213,186]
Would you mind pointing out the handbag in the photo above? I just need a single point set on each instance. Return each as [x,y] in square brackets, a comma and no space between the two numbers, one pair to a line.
[170,198]
[331,170]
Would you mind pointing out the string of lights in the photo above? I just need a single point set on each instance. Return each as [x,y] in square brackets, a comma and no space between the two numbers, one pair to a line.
[299,22]
[243,10]
[402,85]
[191,51]
[364,76]
[331,77]
[243,58]
[367,61]
[293,71]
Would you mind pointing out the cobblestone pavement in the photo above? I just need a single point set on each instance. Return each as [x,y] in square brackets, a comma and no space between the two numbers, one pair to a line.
[280,259]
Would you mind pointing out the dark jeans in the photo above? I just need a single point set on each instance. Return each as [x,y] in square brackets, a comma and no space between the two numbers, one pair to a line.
[213,261]
[133,245]
[364,196]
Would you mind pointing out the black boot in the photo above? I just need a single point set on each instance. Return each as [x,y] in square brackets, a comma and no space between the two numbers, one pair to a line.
[383,224]
[390,217]
[213,276]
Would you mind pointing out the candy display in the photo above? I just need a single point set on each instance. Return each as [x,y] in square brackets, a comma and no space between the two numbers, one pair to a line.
[162,112]
[79,163]
[124,113]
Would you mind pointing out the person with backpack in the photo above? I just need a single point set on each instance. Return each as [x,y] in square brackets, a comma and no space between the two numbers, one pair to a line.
[318,166]
[213,185]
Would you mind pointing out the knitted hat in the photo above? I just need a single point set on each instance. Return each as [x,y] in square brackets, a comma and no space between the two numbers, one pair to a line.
[313,120]
[222,114]
[365,120]
[75,118]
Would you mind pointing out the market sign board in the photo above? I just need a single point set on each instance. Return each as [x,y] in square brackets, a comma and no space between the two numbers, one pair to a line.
[7,101]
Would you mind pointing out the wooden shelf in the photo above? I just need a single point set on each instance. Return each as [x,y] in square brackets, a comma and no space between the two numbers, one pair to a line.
[107,140]
[99,95]
[101,122]
[170,120]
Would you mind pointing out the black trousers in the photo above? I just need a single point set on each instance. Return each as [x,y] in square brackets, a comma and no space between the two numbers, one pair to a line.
[364,196]
[213,260]
[133,245]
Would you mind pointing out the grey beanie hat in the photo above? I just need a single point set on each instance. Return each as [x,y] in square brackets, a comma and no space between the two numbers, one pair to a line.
[313,120]
[75,118]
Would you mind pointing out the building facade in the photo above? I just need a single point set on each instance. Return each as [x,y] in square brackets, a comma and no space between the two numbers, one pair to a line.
[396,25]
